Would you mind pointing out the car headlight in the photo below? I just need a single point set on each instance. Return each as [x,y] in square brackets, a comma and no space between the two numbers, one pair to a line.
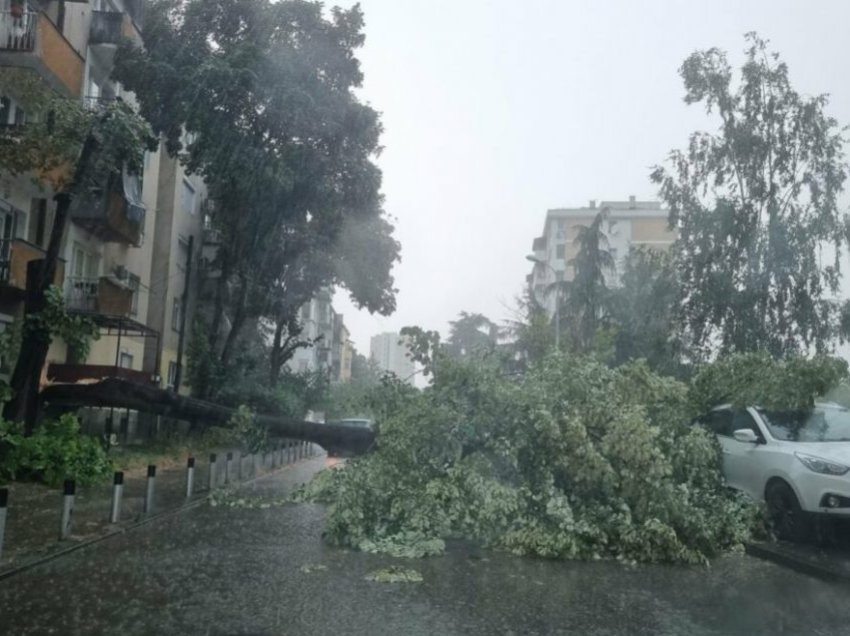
[822,466]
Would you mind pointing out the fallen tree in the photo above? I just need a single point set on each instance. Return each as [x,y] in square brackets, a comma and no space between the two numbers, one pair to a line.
[117,393]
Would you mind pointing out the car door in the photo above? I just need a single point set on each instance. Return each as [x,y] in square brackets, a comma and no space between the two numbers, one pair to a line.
[719,421]
[741,459]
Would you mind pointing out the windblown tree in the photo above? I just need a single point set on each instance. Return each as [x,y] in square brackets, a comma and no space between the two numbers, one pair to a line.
[258,98]
[72,152]
[754,203]
[643,309]
[472,333]
[584,305]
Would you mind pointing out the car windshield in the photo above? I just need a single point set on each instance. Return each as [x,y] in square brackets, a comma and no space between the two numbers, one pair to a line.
[354,423]
[821,424]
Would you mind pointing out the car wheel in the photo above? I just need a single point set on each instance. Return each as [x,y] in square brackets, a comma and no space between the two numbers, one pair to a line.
[788,520]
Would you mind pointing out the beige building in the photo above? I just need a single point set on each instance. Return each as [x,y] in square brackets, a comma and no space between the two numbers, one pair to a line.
[125,254]
[628,224]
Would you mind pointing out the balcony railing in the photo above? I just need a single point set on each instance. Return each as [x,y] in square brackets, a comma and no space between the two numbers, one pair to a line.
[117,215]
[17,30]
[89,294]
[81,293]
[106,27]
[29,39]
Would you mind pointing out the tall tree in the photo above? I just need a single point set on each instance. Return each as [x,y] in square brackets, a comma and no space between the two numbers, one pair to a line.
[754,203]
[643,310]
[72,152]
[265,94]
[471,333]
[584,304]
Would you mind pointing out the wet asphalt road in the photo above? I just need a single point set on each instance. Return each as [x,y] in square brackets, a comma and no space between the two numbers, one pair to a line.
[239,571]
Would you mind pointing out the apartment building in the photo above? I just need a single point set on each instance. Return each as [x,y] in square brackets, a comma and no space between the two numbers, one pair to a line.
[125,254]
[628,224]
[390,352]
[342,351]
[317,319]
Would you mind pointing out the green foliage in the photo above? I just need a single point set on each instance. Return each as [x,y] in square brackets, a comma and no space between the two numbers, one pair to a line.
[253,438]
[758,379]
[573,460]
[57,127]
[754,203]
[643,310]
[55,451]
[55,322]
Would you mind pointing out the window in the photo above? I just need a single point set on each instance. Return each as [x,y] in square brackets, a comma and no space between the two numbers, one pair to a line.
[720,422]
[559,276]
[171,380]
[5,366]
[175,314]
[187,197]
[742,419]
[84,264]
[37,230]
[305,313]
[125,360]
[10,113]
[303,366]
[134,283]
[560,251]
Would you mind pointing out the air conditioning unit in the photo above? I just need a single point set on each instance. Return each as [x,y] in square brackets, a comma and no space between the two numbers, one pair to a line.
[121,272]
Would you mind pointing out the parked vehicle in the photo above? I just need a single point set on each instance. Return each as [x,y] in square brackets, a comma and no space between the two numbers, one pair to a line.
[795,461]
[352,422]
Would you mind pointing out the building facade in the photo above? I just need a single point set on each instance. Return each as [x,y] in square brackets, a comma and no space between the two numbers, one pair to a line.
[391,353]
[125,254]
[317,319]
[628,224]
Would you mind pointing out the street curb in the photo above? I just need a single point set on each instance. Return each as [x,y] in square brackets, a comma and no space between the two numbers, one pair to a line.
[202,497]
[776,554]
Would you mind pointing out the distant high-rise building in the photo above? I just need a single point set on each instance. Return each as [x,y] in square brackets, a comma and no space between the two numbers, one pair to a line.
[390,352]
[628,224]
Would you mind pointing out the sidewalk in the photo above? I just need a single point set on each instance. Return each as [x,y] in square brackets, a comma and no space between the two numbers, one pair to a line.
[34,510]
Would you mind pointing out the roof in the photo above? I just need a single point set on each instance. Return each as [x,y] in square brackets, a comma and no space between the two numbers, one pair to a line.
[126,326]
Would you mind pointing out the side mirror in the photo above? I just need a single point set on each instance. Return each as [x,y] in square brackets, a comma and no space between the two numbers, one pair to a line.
[746,435]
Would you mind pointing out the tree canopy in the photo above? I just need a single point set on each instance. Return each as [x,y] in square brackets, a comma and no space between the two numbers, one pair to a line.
[259,98]
[754,203]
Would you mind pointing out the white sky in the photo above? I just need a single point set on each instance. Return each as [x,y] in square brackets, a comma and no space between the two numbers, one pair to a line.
[496,111]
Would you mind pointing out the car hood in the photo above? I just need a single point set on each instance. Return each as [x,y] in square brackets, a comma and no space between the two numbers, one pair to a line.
[833,451]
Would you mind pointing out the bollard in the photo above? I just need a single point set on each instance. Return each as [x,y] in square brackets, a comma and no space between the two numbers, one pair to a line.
[190,476]
[149,491]
[117,491]
[228,468]
[212,471]
[4,499]
[239,475]
[67,508]
[286,450]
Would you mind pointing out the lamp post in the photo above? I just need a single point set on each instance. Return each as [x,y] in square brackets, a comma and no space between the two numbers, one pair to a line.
[538,261]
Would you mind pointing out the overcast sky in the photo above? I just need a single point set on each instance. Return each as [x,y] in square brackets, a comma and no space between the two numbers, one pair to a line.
[496,111]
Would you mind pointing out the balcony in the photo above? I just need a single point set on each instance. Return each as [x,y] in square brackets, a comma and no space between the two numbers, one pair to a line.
[15,256]
[74,373]
[107,28]
[84,294]
[28,39]
[117,215]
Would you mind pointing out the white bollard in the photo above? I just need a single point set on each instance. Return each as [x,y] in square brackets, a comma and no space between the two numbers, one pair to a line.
[117,491]
[212,471]
[69,487]
[4,500]
[190,476]
[150,489]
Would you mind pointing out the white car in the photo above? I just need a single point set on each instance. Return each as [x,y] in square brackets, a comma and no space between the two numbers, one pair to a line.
[795,461]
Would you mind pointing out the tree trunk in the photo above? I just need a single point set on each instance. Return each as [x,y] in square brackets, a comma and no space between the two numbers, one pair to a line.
[26,377]
[238,320]
[122,394]
[218,303]
[274,356]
